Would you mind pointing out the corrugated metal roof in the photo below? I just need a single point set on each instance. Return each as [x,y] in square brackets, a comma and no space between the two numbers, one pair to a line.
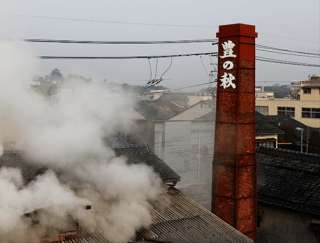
[182,221]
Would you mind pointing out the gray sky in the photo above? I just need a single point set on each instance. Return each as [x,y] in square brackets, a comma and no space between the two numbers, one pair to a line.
[290,24]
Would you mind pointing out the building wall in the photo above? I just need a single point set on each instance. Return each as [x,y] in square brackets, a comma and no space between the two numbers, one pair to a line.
[313,96]
[193,99]
[144,130]
[187,147]
[281,225]
[273,105]
[198,110]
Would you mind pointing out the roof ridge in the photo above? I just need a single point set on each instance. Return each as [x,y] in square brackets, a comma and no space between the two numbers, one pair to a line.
[262,149]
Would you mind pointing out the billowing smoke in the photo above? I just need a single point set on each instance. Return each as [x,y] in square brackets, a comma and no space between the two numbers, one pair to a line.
[65,134]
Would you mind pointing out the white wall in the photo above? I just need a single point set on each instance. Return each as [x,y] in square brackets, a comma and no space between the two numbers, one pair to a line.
[187,147]
[194,112]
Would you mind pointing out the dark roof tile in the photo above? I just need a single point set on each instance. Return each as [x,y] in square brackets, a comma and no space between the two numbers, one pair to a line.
[138,153]
[289,179]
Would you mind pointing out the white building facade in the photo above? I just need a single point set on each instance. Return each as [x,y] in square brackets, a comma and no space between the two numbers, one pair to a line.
[186,143]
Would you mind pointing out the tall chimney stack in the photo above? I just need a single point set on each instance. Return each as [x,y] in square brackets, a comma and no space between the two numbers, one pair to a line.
[234,166]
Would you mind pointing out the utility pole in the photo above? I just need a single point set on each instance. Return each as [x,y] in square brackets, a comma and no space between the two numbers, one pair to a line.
[301,138]
[307,140]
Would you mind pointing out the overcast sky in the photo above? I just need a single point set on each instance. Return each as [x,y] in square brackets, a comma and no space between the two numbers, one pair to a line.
[292,24]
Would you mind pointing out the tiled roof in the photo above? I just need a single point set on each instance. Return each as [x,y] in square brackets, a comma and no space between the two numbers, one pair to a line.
[144,156]
[122,145]
[263,125]
[137,153]
[289,179]
[163,108]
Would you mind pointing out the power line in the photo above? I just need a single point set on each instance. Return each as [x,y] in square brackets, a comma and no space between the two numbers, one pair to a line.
[214,41]
[205,26]
[166,70]
[116,22]
[258,58]
[287,50]
[279,61]
[130,57]
[212,82]
[263,48]
[194,85]
[204,67]
[259,47]
[273,81]
[150,69]
[287,53]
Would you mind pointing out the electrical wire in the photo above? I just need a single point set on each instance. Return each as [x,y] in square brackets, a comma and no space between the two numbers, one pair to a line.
[115,22]
[258,58]
[259,47]
[130,57]
[287,53]
[274,81]
[194,85]
[167,69]
[286,50]
[150,69]
[205,83]
[156,72]
[204,68]
[279,61]
[213,41]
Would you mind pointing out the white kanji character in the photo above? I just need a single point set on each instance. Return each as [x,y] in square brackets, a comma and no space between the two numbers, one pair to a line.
[228,49]
[228,65]
[226,80]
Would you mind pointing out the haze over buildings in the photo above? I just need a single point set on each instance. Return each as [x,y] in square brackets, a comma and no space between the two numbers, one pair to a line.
[132,121]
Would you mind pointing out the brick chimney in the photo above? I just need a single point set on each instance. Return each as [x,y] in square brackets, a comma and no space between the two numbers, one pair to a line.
[234,165]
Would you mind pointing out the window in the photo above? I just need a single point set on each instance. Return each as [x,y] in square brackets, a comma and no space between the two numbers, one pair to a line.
[264,110]
[266,143]
[311,112]
[307,90]
[286,111]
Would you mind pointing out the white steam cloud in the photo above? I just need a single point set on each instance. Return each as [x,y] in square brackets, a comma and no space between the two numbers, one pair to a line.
[66,134]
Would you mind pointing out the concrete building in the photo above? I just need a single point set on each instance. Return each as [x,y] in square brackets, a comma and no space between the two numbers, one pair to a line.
[185,140]
[304,106]
[287,186]
[261,93]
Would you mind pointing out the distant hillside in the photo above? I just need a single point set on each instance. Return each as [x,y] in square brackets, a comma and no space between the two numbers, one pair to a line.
[280,91]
